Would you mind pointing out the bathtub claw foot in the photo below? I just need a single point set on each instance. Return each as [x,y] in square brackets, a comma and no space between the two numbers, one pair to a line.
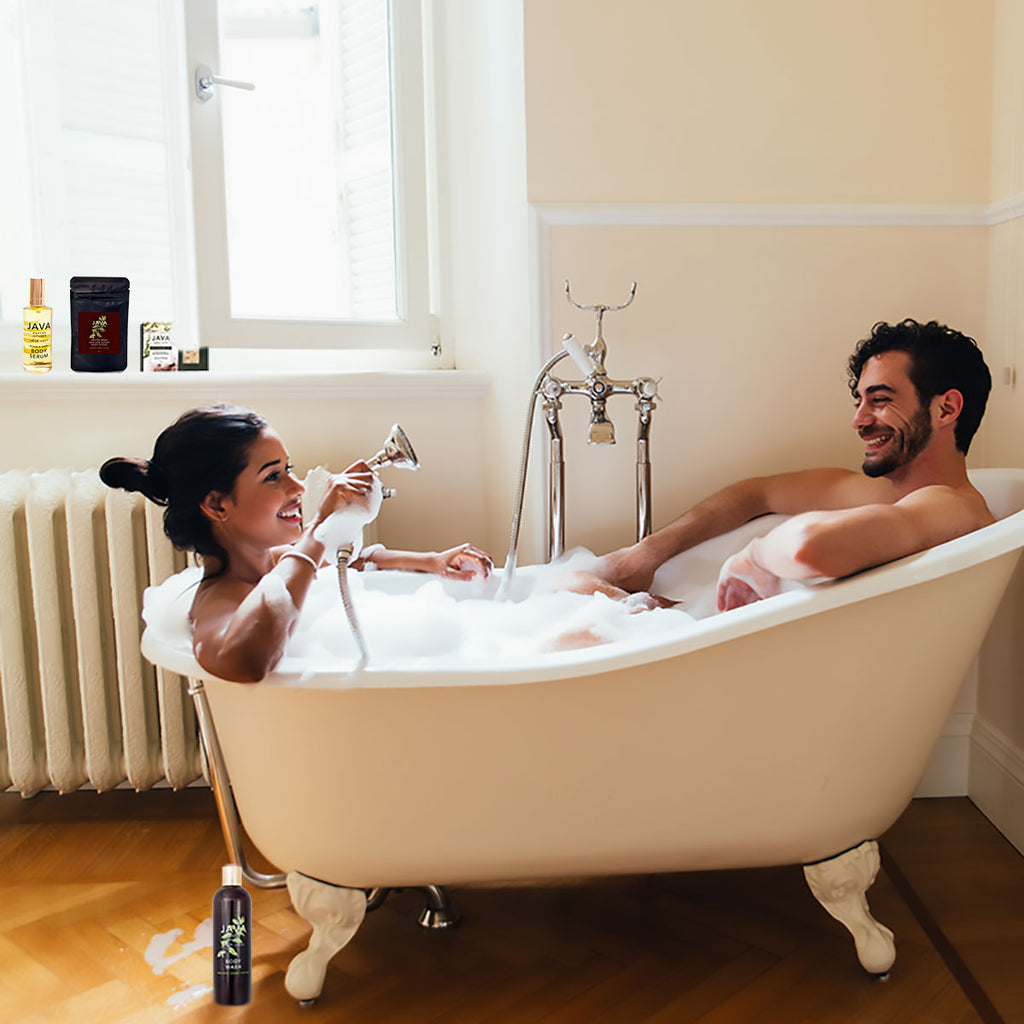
[439,912]
[335,914]
[840,886]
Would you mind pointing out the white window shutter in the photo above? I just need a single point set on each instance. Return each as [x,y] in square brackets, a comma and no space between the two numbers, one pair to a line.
[103,201]
[366,155]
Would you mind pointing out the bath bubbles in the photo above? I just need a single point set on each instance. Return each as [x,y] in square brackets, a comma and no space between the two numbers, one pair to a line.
[415,621]
[273,591]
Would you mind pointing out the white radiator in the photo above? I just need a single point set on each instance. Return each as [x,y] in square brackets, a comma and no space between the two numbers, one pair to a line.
[79,705]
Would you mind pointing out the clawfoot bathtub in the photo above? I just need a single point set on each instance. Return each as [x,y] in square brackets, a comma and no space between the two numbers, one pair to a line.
[792,731]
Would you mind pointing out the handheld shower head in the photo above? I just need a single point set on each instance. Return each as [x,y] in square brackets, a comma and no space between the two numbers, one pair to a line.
[586,365]
[397,452]
[343,529]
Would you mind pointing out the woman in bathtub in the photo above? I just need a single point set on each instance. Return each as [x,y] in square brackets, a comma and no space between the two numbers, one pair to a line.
[229,494]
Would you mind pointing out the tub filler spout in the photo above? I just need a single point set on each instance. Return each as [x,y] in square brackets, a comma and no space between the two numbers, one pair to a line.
[597,387]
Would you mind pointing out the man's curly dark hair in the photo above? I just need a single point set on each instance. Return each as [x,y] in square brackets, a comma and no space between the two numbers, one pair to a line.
[940,359]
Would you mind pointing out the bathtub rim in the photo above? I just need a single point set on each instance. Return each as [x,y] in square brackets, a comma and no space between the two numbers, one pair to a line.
[1000,538]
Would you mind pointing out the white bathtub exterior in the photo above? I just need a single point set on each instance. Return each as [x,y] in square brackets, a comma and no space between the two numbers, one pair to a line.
[783,732]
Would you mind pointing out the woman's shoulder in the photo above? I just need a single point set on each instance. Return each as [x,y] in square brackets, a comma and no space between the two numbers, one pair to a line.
[218,595]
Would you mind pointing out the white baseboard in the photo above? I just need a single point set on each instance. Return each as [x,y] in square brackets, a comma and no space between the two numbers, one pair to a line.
[947,770]
[996,777]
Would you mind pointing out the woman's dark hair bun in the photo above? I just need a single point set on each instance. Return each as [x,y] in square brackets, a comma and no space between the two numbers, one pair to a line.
[203,451]
[134,475]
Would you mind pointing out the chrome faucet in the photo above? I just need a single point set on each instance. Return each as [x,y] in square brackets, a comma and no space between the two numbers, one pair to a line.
[598,387]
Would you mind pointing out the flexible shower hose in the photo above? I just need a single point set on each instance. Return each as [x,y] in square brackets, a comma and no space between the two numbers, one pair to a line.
[344,554]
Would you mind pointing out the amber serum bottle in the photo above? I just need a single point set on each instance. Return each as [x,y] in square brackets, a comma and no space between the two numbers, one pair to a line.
[232,940]
[37,338]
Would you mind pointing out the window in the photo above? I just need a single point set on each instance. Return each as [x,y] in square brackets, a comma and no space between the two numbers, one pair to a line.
[97,185]
[289,215]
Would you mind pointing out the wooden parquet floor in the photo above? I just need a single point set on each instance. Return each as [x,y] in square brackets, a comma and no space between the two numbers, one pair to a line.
[104,900]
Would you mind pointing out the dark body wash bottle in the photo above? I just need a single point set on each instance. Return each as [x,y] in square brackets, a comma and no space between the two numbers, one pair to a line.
[232,940]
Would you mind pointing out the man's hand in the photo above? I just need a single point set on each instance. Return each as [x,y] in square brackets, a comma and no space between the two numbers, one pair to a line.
[631,569]
[743,581]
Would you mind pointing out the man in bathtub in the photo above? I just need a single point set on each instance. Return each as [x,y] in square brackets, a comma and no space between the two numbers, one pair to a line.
[920,392]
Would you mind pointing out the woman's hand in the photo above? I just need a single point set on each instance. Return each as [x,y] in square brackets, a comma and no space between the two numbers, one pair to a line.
[344,490]
[462,563]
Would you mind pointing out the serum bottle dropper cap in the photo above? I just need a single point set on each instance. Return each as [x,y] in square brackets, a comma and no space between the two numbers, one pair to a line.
[37,292]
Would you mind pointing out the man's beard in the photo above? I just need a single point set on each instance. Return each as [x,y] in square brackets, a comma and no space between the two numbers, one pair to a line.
[905,446]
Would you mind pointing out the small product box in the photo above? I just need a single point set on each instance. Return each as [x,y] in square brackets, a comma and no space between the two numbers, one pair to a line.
[194,358]
[157,351]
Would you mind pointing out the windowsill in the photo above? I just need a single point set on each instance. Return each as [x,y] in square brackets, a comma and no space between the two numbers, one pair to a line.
[259,372]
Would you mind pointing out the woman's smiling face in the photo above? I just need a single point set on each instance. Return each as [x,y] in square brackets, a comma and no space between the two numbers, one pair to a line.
[265,507]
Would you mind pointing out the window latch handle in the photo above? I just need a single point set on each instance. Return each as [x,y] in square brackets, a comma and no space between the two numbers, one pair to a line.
[206,80]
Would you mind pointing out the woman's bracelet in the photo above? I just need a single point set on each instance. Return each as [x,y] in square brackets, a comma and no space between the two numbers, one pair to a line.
[300,555]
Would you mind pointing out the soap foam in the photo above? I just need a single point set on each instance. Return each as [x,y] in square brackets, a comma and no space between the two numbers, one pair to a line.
[274,592]
[412,620]
[156,952]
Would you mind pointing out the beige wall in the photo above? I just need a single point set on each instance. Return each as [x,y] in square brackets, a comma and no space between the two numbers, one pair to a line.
[1007,99]
[793,101]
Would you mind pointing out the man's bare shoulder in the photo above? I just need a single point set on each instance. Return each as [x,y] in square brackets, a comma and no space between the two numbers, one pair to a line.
[824,490]
[963,504]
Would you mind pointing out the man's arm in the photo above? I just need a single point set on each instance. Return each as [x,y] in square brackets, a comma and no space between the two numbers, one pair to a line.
[632,568]
[832,544]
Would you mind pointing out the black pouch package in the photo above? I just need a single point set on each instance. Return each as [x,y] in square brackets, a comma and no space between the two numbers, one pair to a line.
[99,324]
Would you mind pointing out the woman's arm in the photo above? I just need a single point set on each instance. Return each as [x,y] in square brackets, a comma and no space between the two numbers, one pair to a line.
[461,563]
[240,629]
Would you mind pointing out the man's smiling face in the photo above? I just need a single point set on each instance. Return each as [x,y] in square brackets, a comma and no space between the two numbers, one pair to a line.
[890,418]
